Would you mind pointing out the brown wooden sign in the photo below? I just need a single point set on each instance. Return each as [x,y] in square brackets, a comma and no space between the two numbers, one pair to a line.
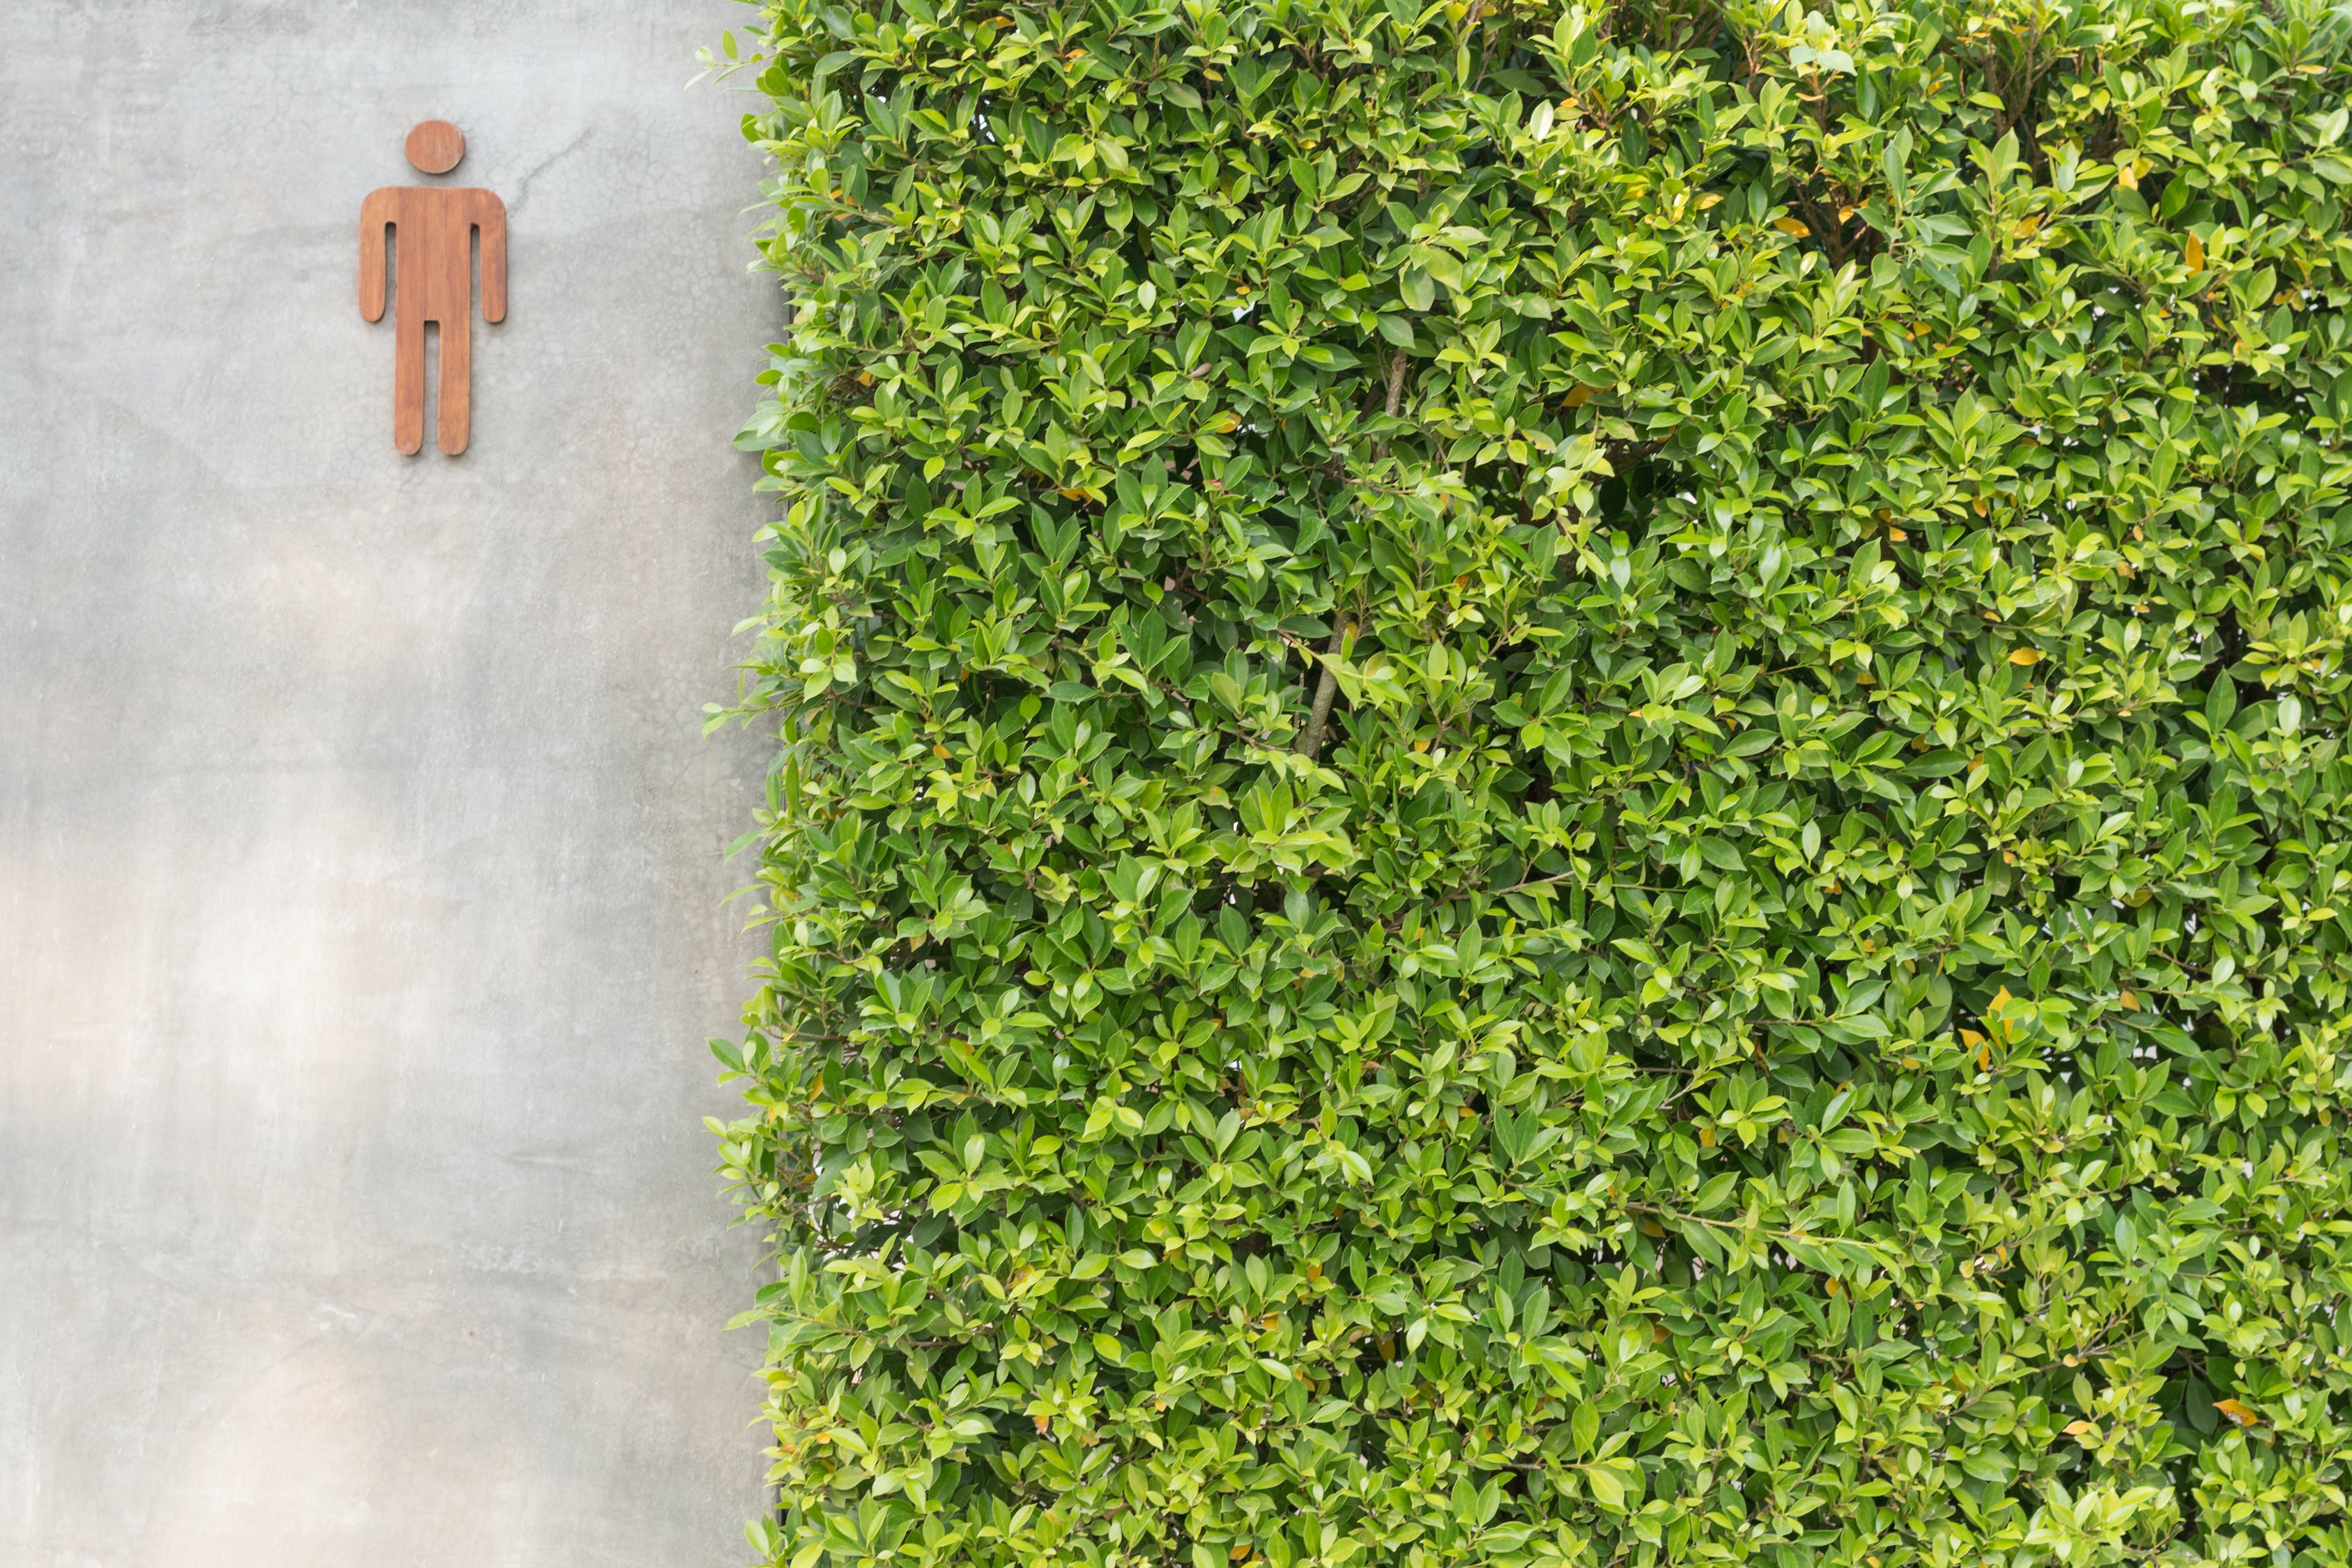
[434,227]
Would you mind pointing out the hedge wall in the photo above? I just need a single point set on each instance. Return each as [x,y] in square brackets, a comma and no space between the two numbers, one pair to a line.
[1554,785]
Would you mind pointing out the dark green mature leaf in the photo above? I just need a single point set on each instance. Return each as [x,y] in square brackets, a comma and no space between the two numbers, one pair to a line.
[1555,786]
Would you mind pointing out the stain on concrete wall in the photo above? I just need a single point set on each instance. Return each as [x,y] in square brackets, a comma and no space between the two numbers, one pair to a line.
[360,861]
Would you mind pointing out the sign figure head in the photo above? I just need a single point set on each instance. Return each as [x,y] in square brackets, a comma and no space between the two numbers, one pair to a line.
[435,146]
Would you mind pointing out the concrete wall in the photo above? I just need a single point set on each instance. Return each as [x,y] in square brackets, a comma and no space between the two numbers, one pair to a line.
[360,859]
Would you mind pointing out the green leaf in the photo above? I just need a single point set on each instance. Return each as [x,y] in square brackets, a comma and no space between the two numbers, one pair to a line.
[2221,703]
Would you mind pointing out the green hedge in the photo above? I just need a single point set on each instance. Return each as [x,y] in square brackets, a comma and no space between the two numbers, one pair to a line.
[1554,786]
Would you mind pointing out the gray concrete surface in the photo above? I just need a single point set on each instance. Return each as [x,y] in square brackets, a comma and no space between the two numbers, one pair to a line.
[360,859]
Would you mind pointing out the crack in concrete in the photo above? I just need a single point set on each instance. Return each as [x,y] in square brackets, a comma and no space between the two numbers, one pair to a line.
[522,190]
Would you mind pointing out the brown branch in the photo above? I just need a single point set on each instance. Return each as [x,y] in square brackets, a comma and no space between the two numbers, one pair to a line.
[1310,738]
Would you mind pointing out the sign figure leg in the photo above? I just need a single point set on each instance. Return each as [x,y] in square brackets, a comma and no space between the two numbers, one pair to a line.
[408,379]
[456,381]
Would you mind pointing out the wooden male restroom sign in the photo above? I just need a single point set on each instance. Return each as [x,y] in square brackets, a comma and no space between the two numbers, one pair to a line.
[434,227]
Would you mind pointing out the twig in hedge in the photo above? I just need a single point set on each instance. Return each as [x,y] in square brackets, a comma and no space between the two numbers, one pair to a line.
[1310,738]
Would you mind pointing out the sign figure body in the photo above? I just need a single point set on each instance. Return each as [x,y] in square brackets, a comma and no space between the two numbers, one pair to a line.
[435,226]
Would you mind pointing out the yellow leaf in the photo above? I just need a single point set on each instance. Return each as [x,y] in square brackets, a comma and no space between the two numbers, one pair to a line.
[1978,507]
[1897,535]
[2193,252]
[2243,1414]
[1707,1137]
[1042,1422]
[1240,1549]
[2077,1428]
[2126,176]
[2025,656]
[1790,225]
[2130,1000]
[1971,1037]
[2001,996]
[865,378]
[1578,396]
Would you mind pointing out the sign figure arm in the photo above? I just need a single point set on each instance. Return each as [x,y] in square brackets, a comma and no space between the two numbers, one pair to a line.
[375,216]
[490,217]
